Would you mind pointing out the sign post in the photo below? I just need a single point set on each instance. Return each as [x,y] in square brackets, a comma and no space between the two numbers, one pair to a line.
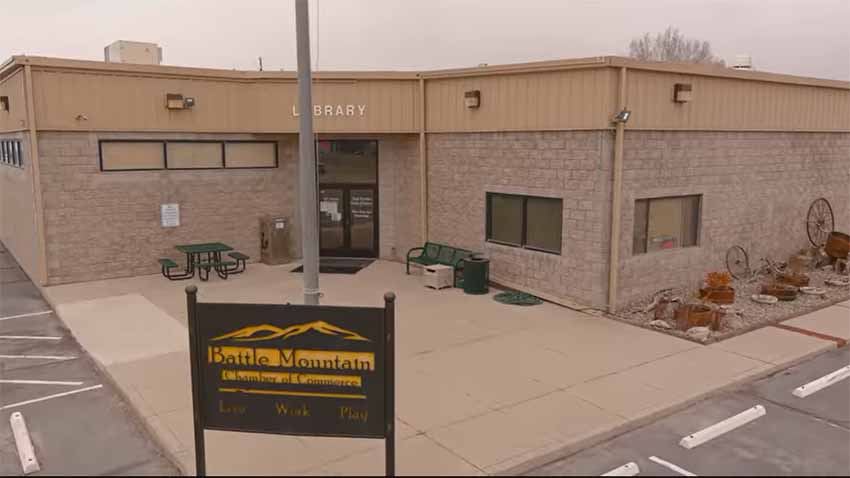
[293,370]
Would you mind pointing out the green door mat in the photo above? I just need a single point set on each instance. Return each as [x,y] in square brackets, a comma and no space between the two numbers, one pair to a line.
[517,298]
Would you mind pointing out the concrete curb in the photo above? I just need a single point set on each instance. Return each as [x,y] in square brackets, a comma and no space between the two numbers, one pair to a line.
[549,455]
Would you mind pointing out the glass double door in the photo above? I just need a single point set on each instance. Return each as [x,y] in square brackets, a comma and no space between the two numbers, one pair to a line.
[348,226]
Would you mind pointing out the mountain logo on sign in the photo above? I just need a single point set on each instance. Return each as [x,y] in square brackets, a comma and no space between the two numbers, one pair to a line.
[259,333]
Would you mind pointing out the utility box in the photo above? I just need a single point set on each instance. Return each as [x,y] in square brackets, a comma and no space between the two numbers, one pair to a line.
[274,240]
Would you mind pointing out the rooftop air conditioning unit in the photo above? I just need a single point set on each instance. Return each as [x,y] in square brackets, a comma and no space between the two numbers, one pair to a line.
[743,62]
[140,53]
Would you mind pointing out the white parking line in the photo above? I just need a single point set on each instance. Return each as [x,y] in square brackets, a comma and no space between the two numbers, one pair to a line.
[629,469]
[671,466]
[26,452]
[36,400]
[40,382]
[714,431]
[804,391]
[28,337]
[38,357]
[21,316]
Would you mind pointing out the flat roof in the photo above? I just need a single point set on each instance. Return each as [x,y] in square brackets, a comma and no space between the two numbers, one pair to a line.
[540,66]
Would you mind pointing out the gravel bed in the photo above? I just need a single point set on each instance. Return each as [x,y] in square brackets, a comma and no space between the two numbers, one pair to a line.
[744,314]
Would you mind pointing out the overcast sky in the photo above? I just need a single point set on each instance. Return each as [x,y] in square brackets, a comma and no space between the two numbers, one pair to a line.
[803,37]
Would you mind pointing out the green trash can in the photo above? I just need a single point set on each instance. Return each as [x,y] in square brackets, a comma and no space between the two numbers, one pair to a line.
[476,275]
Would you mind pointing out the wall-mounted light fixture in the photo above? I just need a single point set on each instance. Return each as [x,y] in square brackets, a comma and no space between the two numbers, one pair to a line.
[472,99]
[176,101]
[682,92]
[4,103]
[623,116]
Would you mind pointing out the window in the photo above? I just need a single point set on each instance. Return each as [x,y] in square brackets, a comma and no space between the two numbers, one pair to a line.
[131,155]
[347,161]
[144,155]
[666,223]
[525,221]
[250,154]
[11,153]
[194,155]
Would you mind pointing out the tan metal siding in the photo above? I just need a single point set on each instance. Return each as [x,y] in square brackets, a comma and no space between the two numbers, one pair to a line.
[16,118]
[734,104]
[118,102]
[540,101]
[18,228]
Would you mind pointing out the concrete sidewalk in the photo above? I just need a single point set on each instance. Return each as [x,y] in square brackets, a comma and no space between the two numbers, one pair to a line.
[482,387]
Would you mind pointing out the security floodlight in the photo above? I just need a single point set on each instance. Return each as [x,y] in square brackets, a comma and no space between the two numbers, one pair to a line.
[622,116]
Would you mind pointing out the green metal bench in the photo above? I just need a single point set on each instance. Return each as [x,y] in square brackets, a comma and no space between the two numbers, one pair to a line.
[434,253]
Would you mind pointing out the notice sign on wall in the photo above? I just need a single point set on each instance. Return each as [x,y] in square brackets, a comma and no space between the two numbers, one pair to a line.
[169,215]
[292,369]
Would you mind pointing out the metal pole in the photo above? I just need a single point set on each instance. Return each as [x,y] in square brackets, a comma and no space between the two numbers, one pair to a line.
[307,163]
[197,414]
[389,391]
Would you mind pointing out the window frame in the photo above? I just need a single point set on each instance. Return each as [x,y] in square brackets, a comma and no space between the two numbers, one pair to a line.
[524,233]
[165,142]
[697,233]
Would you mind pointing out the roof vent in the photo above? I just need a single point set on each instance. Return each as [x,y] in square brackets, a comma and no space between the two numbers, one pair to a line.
[743,62]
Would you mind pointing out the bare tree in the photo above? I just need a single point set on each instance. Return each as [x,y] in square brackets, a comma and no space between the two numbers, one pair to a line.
[672,46]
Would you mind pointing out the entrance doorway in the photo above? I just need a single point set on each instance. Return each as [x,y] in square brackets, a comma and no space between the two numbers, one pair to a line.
[348,198]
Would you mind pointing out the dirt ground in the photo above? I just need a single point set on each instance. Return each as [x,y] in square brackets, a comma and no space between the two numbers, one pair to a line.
[744,314]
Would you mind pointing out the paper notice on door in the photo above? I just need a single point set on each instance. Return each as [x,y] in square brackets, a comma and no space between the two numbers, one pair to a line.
[331,208]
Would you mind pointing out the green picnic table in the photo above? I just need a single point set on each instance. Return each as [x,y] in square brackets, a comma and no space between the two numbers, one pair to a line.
[203,258]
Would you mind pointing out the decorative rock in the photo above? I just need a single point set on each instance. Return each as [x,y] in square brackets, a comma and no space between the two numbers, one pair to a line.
[660,324]
[764,299]
[838,282]
[733,322]
[699,333]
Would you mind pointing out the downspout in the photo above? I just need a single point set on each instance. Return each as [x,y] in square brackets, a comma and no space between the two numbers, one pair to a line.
[423,162]
[36,175]
[616,198]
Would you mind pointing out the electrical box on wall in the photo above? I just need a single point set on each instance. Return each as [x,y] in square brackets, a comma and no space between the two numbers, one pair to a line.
[472,99]
[682,92]
[175,101]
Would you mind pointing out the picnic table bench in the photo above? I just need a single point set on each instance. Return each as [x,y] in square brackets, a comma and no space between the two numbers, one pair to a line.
[435,253]
[204,258]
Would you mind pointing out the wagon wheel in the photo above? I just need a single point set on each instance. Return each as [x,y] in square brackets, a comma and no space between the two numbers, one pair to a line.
[738,262]
[819,222]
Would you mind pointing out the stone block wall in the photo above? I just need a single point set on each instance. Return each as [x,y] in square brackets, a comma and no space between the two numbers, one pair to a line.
[571,165]
[107,224]
[399,195]
[756,190]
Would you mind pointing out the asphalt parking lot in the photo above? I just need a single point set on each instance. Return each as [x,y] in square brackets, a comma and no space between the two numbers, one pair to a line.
[79,426]
[797,436]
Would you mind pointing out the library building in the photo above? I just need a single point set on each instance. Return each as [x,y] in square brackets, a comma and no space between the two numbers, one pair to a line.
[590,181]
